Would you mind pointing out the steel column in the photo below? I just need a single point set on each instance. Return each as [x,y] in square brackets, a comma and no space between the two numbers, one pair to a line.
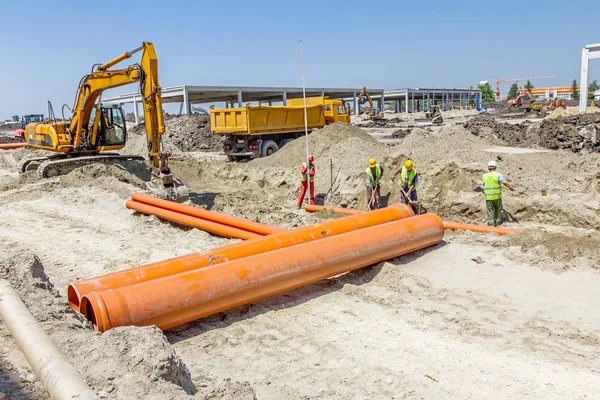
[285,97]
[240,99]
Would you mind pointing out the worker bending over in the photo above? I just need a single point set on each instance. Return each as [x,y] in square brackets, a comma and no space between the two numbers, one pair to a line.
[374,174]
[307,175]
[492,185]
[409,177]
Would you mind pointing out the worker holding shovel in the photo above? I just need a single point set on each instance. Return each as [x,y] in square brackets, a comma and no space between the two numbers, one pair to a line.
[307,178]
[409,178]
[374,174]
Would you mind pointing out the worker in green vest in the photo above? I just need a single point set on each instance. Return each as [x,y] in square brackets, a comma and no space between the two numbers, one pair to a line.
[373,176]
[492,185]
[409,177]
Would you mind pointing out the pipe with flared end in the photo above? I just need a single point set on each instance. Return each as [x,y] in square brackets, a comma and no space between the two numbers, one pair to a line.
[194,222]
[58,376]
[235,222]
[232,252]
[10,146]
[478,228]
[185,297]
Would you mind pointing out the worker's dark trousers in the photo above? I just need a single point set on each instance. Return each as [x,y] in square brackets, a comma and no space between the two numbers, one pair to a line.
[413,197]
[373,196]
[303,188]
[494,207]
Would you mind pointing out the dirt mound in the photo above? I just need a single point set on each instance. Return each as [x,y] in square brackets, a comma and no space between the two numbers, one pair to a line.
[8,139]
[192,133]
[348,146]
[399,134]
[184,133]
[486,125]
[574,132]
[382,123]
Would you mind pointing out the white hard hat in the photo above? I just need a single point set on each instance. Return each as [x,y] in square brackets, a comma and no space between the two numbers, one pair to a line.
[492,164]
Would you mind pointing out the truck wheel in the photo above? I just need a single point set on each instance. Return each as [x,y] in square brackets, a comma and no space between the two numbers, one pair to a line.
[269,147]
[232,158]
[283,142]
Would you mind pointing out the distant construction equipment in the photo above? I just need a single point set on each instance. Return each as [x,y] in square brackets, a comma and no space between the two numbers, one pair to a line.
[497,94]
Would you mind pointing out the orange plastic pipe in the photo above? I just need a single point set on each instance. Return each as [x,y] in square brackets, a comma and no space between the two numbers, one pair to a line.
[313,208]
[477,228]
[185,297]
[9,146]
[235,222]
[205,225]
[232,252]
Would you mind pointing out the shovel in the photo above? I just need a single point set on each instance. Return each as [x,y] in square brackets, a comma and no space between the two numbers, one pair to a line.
[416,203]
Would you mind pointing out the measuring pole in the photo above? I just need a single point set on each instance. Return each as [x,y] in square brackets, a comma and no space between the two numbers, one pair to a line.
[305,120]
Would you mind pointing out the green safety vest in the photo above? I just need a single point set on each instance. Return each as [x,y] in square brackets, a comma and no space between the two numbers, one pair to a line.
[305,175]
[375,181]
[405,176]
[493,189]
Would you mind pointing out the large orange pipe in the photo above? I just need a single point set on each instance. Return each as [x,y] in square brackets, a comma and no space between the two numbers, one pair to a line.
[232,252]
[477,228]
[205,225]
[235,222]
[9,146]
[184,297]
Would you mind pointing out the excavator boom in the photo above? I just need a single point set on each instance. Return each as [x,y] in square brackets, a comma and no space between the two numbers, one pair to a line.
[83,140]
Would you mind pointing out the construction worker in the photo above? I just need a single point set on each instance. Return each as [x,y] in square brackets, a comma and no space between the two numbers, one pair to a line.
[492,185]
[409,177]
[307,175]
[374,174]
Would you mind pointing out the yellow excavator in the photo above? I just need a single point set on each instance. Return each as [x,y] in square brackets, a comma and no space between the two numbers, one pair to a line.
[96,130]
[364,97]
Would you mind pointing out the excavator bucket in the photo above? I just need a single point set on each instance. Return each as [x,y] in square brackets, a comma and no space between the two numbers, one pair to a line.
[170,188]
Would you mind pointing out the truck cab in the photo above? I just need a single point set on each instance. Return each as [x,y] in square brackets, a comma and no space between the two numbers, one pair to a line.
[335,110]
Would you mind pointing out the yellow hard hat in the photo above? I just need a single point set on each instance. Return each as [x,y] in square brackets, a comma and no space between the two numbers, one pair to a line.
[372,163]
[408,164]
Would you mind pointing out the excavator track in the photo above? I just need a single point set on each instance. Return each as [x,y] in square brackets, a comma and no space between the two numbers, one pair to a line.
[32,163]
[53,167]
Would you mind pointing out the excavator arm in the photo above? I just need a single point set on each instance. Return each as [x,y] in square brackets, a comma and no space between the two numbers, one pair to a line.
[363,97]
[89,96]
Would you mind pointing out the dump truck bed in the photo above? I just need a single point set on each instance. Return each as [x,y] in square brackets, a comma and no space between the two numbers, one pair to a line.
[257,120]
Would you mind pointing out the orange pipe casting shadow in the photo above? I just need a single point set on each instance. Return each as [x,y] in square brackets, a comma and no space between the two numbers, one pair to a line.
[477,228]
[235,222]
[185,297]
[9,146]
[205,225]
[232,252]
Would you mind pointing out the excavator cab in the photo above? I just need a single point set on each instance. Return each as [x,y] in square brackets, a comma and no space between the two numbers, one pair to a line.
[111,130]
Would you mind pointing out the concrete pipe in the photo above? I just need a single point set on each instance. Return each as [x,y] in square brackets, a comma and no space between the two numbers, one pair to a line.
[10,146]
[58,376]
[235,222]
[232,252]
[194,222]
[185,297]
[455,226]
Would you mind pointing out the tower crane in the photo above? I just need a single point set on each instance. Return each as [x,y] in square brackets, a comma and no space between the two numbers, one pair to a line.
[516,80]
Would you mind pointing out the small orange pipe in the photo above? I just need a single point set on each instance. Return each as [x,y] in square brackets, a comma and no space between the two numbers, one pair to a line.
[232,252]
[477,228]
[235,222]
[347,211]
[9,146]
[185,297]
[205,225]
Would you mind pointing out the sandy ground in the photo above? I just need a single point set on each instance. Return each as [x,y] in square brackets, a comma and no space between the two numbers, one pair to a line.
[433,324]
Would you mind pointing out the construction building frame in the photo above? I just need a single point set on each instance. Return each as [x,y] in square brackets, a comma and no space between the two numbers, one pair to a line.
[589,52]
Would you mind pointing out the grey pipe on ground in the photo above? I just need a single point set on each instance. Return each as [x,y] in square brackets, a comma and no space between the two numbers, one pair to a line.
[59,377]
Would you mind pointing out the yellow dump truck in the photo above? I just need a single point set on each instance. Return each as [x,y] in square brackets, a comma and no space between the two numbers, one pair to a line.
[259,131]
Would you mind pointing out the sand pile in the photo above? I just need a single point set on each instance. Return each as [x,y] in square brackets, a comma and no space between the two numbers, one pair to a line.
[349,146]
[184,133]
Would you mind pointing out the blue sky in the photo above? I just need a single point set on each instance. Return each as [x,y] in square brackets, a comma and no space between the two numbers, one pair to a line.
[47,46]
